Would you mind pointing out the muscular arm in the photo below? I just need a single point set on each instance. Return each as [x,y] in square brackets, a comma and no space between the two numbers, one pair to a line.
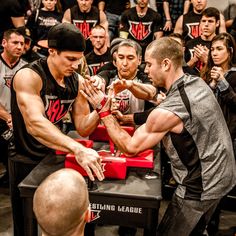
[18,21]
[85,122]
[222,28]
[168,23]
[104,23]
[179,25]
[27,85]
[67,16]
[4,114]
[146,136]
[139,90]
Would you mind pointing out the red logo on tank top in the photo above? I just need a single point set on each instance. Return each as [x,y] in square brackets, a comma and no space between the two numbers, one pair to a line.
[140,30]
[193,30]
[85,26]
[56,109]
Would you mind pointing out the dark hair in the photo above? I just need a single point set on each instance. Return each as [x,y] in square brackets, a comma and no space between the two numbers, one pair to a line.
[211,12]
[7,34]
[229,42]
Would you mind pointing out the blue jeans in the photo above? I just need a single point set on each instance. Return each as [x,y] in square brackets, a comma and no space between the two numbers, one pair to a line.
[186,217]
[113,24]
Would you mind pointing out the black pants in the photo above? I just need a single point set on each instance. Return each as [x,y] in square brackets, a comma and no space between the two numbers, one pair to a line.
[19,167]
[186,217]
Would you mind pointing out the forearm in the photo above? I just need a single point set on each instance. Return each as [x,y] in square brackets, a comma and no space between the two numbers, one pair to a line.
[86,124]
[119,136]
[143,91]
[192,62]
[49,135]
[166,10]
[127,119]
[4,114]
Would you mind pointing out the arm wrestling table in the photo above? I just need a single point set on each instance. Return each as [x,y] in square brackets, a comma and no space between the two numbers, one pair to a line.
[134,201]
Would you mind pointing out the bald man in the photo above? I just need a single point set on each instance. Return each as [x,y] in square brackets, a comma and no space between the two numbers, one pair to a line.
[61,204]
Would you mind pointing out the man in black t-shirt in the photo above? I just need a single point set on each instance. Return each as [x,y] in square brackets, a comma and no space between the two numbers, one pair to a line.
[141,24]
[85,16]
[188,24]
[196,50]
[101,53]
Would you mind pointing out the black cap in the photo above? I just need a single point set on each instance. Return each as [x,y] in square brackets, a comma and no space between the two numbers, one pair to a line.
[25,32]
[66,37]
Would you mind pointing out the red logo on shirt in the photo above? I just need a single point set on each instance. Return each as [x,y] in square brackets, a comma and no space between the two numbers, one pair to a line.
[56,109]
[140,30]
[85,26]
[193,30]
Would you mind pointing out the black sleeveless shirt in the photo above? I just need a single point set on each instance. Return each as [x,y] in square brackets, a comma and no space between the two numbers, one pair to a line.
[85,22]
[57,102]
[191,28]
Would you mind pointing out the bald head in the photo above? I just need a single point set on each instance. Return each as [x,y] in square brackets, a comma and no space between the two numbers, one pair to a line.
[60,203]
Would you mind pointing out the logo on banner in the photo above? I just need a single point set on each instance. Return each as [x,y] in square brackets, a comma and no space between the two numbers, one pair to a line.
[56,109]
[193,30]
[94,215]
[85,26]
[140,30]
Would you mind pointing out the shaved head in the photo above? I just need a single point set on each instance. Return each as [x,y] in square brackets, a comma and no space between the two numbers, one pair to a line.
[60,203]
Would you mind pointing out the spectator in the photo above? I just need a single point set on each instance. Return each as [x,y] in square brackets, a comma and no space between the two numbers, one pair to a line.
[188,24]
[61,204]
[52,87]
[101,53]
[141,24]
[10,62]
[85,16]
[172,10]
[40,23]
[220,73]
[197,49]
